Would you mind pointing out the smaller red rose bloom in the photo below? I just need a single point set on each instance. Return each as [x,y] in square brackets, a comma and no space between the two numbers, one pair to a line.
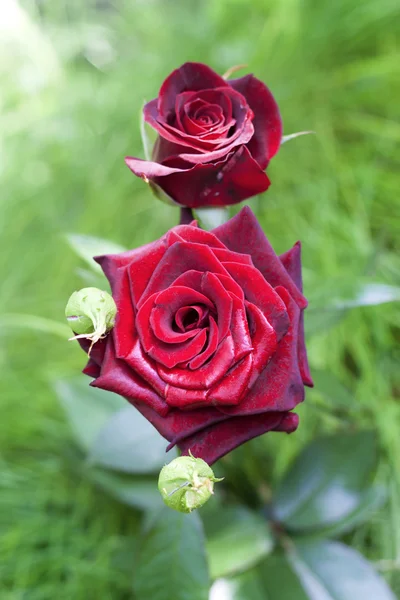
[215,140]
[208,342]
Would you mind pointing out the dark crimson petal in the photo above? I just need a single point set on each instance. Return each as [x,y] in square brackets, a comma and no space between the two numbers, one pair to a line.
[164,149]
[291,260]
[225,255]
[215,441]
[97,350]
[210,285]
[186,399]
[212,344]
[179,258]
[213,289]
[185,312]
[226,145]
[226,182]
[279,386]
[258,291]
[267,119]
[230,390]
[203,149]
[140,362]
[188,233]
[231,286]
[220,97]
[189,77]
[117,377]
[111,263]
[205,376]
[244,234]
[92,369]
[167,132]
[166,304]
[161,321]
[240,330]
[302,355]
[263,338]
[124,328]
[171,355]
[177,424]
[167,354]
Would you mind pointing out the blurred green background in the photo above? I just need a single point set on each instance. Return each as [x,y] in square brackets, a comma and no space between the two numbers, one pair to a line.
[73,77]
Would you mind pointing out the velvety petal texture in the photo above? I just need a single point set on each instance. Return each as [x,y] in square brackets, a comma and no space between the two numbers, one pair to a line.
[215,137]
[208,342]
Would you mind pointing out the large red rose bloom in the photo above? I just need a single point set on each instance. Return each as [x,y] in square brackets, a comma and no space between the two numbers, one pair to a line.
[208,343]
[215,137]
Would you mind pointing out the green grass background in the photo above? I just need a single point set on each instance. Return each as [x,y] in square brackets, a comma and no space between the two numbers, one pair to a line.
[73,77]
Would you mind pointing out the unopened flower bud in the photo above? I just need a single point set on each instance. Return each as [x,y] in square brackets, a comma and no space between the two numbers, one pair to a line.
[90,313]
[186,483]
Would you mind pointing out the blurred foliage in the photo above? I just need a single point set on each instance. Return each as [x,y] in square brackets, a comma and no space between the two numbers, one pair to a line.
[73,78]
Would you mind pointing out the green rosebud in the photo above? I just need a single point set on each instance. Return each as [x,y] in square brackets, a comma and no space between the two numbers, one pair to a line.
[186,483]
[90,313]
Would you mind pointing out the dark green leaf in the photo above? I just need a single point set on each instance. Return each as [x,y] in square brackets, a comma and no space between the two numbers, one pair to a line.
[238,539]
[86,246]
[171,563]
[332,390]
[93,279]
[139,492]
[371,294]
[323,485]
[128,442]
[370,500]
[333,571]
[279,580]
[41,324]
[246,586]
[88,409]
[327,308]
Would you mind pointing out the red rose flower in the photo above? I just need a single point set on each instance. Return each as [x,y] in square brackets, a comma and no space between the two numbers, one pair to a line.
[208,342]
[216,137]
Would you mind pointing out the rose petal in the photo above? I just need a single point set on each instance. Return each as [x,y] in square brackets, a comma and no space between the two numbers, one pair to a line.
[165,305]
[229,181]
[291,260]
[259,292]
[267,119]
[263,339]
[124,328]
[177,424]
[117,377]
[189,77]
[203,377]
[140,362]
[195,235]
[279,386]
[218,439]
[211,346]
[179,258]
[92,369]
[240,330]
[167,354]
[244,234]
[225,255]
[230,390]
